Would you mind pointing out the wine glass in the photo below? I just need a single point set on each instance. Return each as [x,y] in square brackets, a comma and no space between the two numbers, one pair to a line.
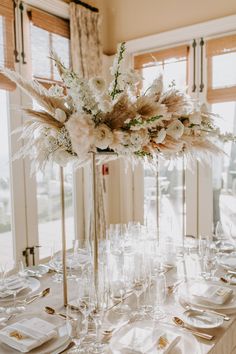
[138,282]
[77,327]
[56,264]
[15,288]
[159,295]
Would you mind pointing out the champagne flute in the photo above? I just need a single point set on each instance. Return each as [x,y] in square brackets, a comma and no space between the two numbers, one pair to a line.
[159,296]
[56,264]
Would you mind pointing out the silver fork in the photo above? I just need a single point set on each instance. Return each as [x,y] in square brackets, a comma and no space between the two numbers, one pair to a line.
[188,306]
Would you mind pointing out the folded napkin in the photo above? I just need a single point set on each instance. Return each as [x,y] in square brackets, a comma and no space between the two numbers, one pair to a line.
[143,340]
[229,261]
[213,294]
[28,334]
[12,283]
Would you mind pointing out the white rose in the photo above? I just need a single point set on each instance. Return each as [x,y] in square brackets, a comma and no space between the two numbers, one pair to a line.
[97,84]
[103,136]
[60,115]
[195,118]
[139,138]
[160,136]
[175,129]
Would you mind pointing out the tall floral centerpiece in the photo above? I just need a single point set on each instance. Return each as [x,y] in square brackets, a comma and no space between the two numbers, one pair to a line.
[84,116]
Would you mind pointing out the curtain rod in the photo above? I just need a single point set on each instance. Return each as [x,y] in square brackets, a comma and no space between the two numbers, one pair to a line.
[87,6]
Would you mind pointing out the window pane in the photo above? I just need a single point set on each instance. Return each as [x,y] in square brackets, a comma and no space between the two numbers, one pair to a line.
[40,51]
[224,176]
[164,198]
[224,70]
[42,44]
[175,71]
[6,238]
[49,209]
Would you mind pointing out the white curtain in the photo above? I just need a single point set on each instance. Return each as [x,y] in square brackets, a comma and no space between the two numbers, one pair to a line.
[86,54]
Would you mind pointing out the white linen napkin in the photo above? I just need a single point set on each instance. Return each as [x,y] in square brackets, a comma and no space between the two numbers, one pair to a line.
[35,332]
[14,283]
[213,294]
[144,340]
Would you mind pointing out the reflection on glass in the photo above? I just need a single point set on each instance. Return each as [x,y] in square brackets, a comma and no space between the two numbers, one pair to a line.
[6,240]
[224,176]
[49,209]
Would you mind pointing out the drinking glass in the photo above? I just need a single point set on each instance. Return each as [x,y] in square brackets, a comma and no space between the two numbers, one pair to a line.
[210,263]
[77,327]
[56,264]
[138,282]
[20,274]
[159,296]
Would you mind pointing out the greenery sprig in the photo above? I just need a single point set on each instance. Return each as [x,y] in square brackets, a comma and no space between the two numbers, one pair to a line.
[115,90]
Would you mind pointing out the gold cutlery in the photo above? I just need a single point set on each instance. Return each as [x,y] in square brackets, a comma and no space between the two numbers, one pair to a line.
[70,346]
[18,335]
[172,288]
[181,324]
[51,311]
[43,293]
[162,343]
[187,306]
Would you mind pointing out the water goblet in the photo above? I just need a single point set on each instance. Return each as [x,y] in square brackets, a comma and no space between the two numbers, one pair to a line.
[56,264]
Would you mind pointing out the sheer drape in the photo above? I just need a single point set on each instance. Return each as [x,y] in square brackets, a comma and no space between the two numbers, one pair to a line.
[86,53]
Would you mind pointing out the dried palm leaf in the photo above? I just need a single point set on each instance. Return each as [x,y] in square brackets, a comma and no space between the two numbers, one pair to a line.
[43,117]
[37,91]
[176,101]
[122,110]
[147,107]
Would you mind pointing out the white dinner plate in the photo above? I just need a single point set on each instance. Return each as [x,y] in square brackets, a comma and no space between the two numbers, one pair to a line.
[33,285]
[187,343]
[204,320]
[227,261]
[185,295]
[53,346]
[34,270]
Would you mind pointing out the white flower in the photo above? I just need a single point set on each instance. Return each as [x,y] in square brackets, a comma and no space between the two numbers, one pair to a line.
[175,129]
[157,86]
[56,90]
[81,130]
[103,136]
[62,157]
[160,136]
[132,77]
[139,138]
[60,115]
[195,118]
[97,84]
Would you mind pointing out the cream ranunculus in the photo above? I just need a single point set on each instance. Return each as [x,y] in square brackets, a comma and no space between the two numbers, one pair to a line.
[175,129]
[160,136]
[103,136]
[97,84]
[139,138]
[81,131]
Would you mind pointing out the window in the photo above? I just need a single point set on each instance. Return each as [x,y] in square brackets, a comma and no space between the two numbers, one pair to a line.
[221,94]
[50,33]
[164,192]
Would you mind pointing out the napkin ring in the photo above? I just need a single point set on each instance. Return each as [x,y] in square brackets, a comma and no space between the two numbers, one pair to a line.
[162,342]
[17,335]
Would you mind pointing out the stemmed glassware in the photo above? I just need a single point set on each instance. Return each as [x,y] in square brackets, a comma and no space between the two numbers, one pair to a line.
[77,327]
[56,264]
[138,282]
[159,296]
[14,290]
